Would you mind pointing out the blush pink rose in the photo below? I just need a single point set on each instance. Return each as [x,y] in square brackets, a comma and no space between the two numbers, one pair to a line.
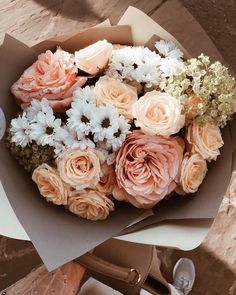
[148,168]
[52,76]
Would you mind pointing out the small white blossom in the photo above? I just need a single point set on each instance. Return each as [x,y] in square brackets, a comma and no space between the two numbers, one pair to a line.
[169,49]
[135,63]
[120,135]
[171,66]
[85,94]
[20,130]
[38,106]
[106,154]
[105,123]
[81,116]
[46,129]
[76,139]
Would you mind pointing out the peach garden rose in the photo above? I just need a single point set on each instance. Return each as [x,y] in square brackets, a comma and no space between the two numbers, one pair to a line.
[79,168]
[52,76]
[193,171]
[94,58]
[122,96]
[148,167]
[205,140]
[50,184]
[158,113]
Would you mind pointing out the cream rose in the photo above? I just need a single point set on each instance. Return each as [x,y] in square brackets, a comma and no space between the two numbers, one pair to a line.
[90,204]
[50,184]
[93,58]
[193,171]
[107,182]
[205,140]
[158,113]
[108,90]
[79,168]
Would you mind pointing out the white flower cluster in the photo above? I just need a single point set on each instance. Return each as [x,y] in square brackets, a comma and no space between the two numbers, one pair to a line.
[89,125]
[38,123]
[145,66]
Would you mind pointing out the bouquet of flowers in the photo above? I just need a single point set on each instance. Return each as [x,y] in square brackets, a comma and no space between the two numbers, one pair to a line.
[112,122]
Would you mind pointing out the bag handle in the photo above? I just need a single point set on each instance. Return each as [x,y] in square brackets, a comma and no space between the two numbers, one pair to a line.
[92,262]
[126,267]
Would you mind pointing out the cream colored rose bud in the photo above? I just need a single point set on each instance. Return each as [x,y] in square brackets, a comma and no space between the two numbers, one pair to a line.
[193,171]
[93,58]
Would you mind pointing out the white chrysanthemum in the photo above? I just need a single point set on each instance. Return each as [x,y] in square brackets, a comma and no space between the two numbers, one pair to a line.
[59,148]
[38,106]
[46,129]
[105,123]
[20,130]
[171,67]
[120,135]
[106,154]
[169,49]
[85,94]
[136,63]
[76,139]
[81,116]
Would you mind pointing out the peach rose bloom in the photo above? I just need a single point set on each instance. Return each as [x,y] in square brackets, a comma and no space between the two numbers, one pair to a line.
[205,140]
[90,204]
[148,168]
[50,184]
[107,181]
[79,168]
[122,96]
[94,58]
[193,171]
[158,113]
[52,76]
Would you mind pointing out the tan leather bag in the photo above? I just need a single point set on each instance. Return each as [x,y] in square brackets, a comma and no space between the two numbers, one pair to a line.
[126,267]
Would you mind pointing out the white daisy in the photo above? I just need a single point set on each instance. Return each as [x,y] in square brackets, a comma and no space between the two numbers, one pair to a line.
[85,94]
[59,148]
[20,130]
[136,63]
[77,139]
[106,155]
[171,67]
[169,49]
[80,116]
[120,135]
[105,123]
[46,129]
[38,106]
[85,143]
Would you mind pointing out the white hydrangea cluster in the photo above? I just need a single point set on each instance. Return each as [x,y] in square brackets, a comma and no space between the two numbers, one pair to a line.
[142,65]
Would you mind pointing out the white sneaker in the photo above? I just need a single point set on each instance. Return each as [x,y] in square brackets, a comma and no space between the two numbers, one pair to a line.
[184,275]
